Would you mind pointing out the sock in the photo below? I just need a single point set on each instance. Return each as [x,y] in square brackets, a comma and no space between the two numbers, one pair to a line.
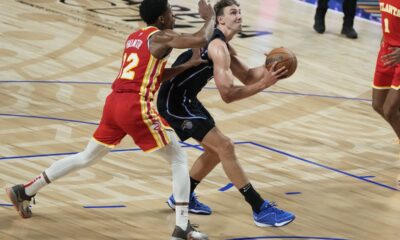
[252,197]
[193,184]
[32,187]
[182,216]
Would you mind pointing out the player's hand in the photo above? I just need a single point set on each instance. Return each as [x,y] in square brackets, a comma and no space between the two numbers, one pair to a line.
[392,58]
[206,11]
[271,76]
[196,58]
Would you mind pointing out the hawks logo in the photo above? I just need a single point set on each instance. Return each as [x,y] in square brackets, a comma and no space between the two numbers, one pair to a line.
[156,126]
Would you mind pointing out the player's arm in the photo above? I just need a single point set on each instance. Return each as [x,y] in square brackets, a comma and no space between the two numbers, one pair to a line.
[241,71]
[223,76]
[164,40]
[195,60]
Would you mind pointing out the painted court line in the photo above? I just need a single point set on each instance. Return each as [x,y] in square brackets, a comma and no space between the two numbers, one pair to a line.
[197,146]
[209,88]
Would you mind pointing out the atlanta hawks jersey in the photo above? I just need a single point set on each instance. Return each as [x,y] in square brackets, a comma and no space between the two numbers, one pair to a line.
[390,13]
[140,71]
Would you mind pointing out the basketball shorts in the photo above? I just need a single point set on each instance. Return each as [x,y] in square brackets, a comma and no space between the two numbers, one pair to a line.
[386,77]
[189,120]
[127,113]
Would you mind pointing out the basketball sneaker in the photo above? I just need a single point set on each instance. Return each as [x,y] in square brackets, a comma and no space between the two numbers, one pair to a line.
[319,21]
[190,233]
[195,206]
[20,200]
[271,216]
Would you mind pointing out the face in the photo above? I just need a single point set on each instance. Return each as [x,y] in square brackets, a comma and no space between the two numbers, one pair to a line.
[168,18]
[232,18]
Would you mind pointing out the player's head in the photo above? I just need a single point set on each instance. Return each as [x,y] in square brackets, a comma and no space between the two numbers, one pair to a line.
[157,13]
[228,14]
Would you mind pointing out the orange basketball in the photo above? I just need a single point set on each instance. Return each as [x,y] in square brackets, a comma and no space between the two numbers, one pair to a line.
[284,57]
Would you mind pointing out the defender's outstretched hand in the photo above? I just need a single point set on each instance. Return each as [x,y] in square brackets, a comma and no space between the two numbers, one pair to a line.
[206,11]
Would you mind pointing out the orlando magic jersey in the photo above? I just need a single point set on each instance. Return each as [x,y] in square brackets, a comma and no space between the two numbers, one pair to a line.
[177,98]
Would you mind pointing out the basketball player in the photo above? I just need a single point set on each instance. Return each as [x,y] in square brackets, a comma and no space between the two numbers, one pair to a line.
[177,102]
[385,89]
[129,109]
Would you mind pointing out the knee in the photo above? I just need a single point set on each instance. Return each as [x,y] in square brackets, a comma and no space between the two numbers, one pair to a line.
[89,158]
[226,146]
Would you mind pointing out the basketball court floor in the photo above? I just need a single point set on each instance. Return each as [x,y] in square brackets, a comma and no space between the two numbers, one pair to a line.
[311,143]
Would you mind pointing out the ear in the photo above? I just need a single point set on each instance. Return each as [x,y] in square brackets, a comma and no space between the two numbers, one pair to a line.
[161,19]
[220,20]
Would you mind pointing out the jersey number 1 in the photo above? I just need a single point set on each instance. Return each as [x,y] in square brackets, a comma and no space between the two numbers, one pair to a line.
[386,25]
[127,71]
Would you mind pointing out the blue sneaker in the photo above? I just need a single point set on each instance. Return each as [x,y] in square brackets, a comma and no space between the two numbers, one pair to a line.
[195,206]
[271,216]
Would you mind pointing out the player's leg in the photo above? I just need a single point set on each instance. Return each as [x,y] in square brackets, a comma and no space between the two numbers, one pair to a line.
[203,165]
[391,110]
[223,146]
[262,209]
[180,187]
[349,10]
[105,137]
[22,194]
[378,100]
[319,18]
[392,115]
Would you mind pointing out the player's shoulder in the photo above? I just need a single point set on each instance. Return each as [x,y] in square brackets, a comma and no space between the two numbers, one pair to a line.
[217,45]
[217,42]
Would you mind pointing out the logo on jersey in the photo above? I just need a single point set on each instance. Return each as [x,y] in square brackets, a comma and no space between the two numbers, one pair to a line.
[187,124]
[156,126]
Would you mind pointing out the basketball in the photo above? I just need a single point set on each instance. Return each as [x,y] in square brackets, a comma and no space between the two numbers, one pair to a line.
[284,57]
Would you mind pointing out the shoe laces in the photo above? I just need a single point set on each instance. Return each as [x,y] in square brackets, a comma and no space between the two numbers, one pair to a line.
[274,207]
[194,198]
[194,226]
[196,232]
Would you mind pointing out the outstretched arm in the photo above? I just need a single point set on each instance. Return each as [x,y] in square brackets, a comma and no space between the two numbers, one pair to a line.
[223,77]
[163,41]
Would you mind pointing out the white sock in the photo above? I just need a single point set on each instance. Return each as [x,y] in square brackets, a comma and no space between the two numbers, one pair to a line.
[93,153]
[32,187]
[180,178]
[181,216]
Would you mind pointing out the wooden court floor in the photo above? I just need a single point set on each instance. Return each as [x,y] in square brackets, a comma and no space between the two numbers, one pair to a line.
[312,143]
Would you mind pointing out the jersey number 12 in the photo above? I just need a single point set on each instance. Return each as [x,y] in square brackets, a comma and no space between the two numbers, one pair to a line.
[127,72]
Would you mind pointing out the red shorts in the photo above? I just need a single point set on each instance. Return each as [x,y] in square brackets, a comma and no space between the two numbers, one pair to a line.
[128,113]
[386,77]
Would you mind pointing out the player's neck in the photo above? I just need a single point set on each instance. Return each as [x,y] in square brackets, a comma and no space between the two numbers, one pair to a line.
[228,33]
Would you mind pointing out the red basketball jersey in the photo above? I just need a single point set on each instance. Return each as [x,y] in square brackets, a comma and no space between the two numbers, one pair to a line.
[390,10]
[140,71]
